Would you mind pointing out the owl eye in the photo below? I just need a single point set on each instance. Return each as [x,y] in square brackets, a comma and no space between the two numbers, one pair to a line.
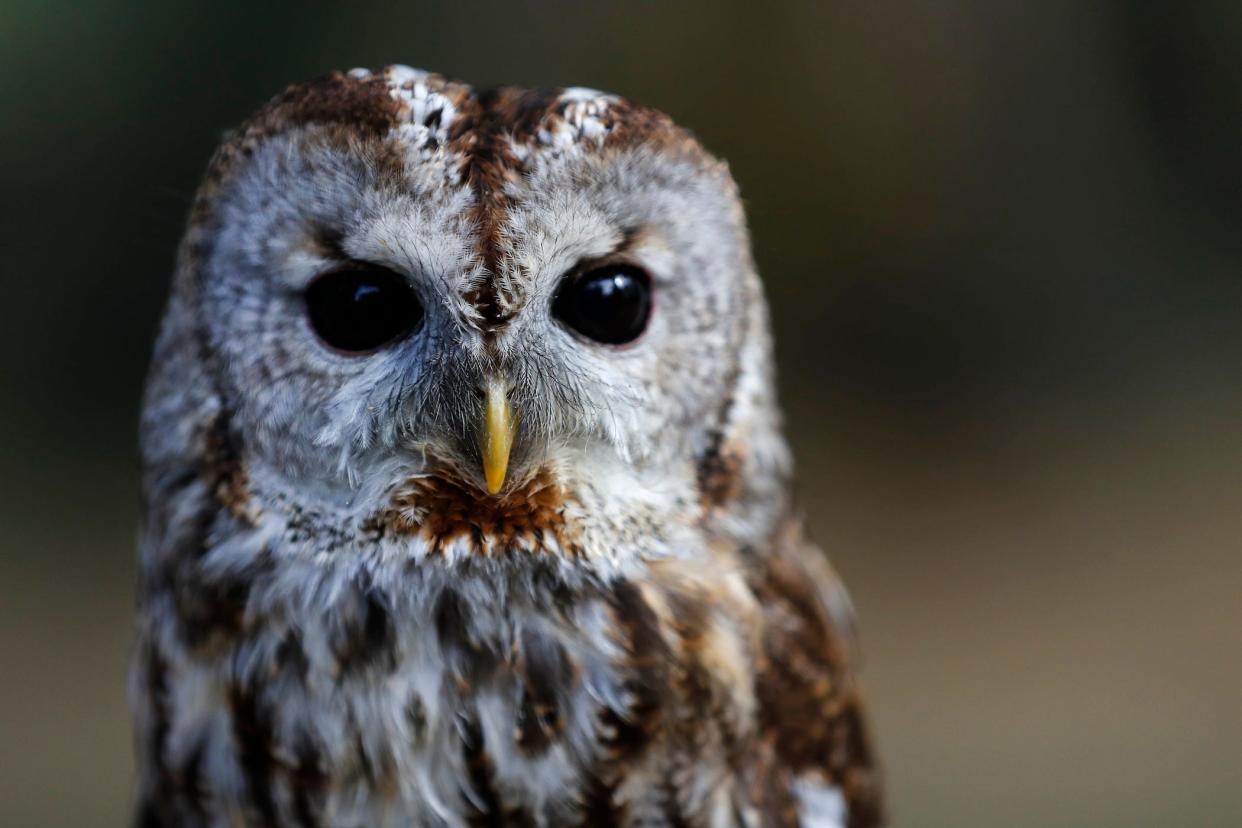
[359,308]
[610,304]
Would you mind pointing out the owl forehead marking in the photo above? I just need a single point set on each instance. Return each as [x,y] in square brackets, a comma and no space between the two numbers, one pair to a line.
[427,105]
[431,108]
[484,138]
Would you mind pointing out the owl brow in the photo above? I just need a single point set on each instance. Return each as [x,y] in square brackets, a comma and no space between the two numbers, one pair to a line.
[620,253]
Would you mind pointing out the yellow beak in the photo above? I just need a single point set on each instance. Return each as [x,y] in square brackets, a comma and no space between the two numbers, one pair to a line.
[496,438]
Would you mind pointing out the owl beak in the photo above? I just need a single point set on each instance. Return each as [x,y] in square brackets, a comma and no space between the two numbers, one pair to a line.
[496,437]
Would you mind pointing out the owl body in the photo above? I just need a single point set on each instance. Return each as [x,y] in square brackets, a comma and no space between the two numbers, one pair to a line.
[499,568]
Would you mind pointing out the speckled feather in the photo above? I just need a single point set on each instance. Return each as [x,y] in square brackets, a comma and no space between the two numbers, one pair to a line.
[337,626]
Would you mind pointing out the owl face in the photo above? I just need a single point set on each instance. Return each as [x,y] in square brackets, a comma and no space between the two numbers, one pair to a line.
[395,279]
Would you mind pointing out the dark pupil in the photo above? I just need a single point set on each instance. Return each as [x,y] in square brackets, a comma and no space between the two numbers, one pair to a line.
[610,305]
[360,310]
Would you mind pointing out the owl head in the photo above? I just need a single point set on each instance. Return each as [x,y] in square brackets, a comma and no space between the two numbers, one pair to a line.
[467,321]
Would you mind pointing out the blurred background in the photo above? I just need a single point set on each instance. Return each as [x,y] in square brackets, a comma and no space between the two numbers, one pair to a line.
[1001,242]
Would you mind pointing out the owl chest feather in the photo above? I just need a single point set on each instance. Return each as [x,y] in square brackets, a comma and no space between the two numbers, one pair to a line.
[360,685]
[370,692]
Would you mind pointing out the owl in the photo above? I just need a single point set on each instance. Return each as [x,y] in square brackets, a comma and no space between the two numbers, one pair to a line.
[466,497]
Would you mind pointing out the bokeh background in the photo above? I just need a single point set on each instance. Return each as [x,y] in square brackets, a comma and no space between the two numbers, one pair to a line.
[1001,241]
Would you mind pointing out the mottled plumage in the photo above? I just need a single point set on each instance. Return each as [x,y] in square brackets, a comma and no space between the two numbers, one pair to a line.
[339,625]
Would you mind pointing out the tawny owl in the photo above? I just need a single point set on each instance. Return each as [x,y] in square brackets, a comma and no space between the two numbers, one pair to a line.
[467,498]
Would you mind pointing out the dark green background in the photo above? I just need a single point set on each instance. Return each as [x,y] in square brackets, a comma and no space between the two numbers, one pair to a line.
[1001,244]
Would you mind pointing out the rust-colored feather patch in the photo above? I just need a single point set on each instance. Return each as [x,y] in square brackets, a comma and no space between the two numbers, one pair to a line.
[442,510]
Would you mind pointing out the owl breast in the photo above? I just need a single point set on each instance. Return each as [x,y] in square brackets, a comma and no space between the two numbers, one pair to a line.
[289,691]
